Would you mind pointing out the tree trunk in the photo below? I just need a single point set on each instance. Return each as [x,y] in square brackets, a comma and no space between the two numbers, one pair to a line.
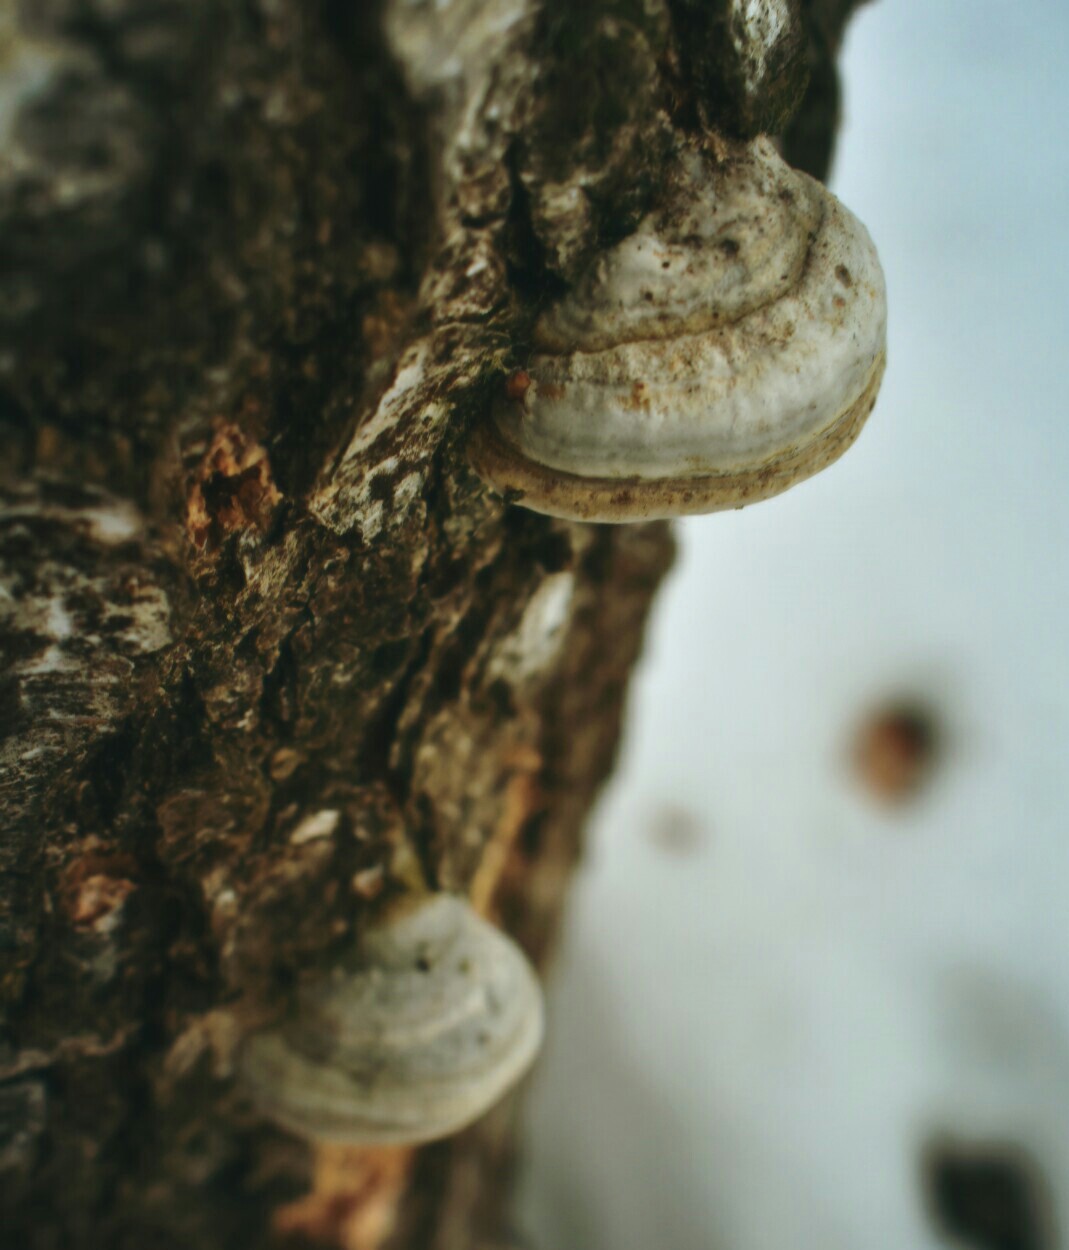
[263,631]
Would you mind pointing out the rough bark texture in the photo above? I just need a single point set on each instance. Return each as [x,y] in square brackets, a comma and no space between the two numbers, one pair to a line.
[262,630]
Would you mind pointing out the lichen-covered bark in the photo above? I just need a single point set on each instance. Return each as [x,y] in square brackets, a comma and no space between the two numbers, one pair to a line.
[261,627]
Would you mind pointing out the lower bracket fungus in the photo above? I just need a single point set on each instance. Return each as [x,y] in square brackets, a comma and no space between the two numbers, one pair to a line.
[436,1016]
[730,347]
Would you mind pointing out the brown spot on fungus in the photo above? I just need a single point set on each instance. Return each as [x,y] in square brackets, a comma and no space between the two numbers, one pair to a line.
[516,384]
[638,397]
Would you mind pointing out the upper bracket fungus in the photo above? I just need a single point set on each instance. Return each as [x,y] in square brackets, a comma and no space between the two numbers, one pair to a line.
[728,348]
[436,1016]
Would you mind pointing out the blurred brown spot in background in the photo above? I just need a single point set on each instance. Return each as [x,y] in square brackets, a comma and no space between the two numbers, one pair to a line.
[677,829]
[895,749]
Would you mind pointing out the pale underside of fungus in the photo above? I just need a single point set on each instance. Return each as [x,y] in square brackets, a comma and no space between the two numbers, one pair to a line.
[728,348]
[438,1015]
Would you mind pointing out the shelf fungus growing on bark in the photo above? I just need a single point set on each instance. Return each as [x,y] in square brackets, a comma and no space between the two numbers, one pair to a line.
[728,348]
[435,1017]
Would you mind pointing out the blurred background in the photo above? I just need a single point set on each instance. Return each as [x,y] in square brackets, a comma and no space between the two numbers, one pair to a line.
[813,989]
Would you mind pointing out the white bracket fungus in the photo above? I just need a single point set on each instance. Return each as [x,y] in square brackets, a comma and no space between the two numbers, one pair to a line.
[728,348]
[436,1017]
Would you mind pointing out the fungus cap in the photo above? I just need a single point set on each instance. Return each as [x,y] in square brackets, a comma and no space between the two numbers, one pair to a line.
[436,1017]
[728,348]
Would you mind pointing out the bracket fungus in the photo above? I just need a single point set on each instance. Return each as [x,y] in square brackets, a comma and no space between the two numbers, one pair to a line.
[435,1017]
[728,348]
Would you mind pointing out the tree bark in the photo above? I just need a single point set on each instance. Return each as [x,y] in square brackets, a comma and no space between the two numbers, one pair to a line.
[261,264]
